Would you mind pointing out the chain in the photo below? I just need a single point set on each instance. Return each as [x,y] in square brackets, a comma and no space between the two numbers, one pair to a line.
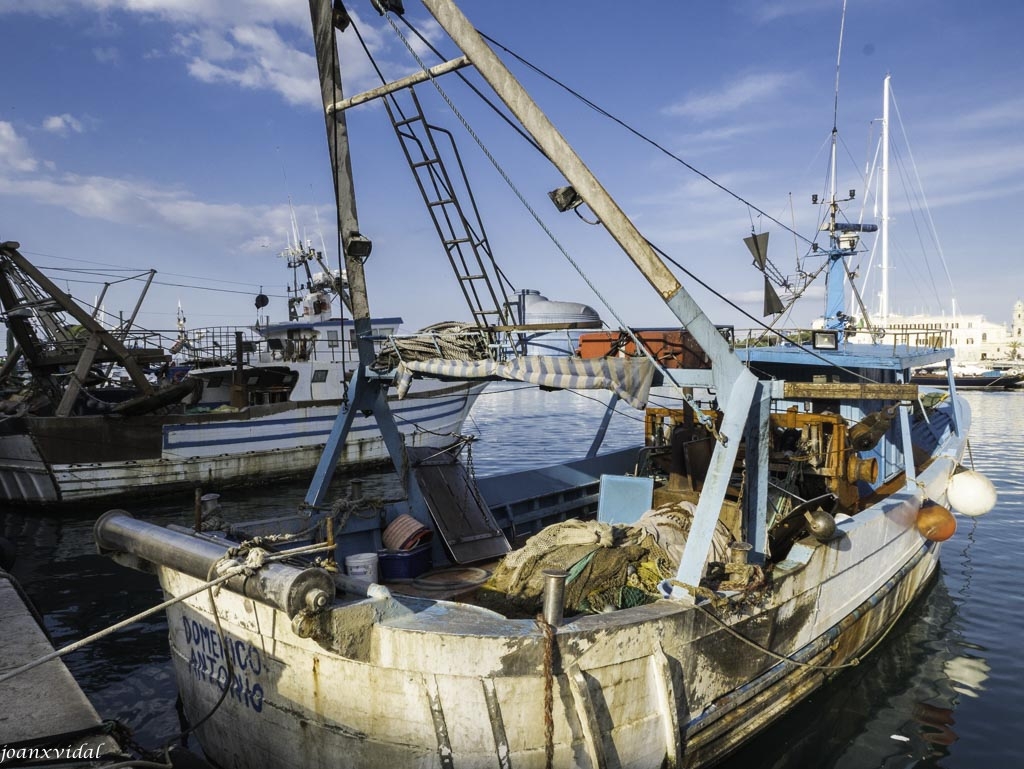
[549,683]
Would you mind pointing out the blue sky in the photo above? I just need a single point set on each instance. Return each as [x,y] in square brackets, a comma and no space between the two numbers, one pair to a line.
[171,134]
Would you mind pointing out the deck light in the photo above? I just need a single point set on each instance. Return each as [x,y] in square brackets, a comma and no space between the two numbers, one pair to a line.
[565,198]
[358,247]
[825,340]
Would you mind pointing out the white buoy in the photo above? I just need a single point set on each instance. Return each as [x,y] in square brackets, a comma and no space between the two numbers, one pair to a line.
[971,493]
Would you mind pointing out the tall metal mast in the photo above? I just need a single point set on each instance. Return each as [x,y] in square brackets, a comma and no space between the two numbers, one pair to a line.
[884,302]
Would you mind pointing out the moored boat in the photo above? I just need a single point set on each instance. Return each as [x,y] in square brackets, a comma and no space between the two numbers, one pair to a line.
[240,407]
[768,534]
[966,377]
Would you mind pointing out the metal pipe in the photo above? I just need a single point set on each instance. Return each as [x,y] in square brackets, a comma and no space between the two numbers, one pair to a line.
[275,584]
[554,595]
[209,503]
[397,85]
[740,551]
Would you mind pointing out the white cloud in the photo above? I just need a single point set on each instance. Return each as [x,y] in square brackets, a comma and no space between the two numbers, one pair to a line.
[764,11]
[188,12]
[1005,114]
[252,57]
[240,228]
[63,124]
[106,55]
[126,201]
[747,90]
[15,154]
[260,53]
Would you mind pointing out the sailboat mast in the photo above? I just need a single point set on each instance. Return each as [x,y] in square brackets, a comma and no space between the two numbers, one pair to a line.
[884,303]
[835,278]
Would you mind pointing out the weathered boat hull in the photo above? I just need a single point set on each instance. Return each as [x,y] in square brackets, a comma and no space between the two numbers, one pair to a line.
[51,460]
[384,682]
[446,686]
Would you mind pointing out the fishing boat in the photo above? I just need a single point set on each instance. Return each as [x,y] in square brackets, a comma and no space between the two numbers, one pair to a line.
[92,414]
[646,607]
[967,377]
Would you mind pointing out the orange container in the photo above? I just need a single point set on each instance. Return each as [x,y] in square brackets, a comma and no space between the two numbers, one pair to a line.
[673,348]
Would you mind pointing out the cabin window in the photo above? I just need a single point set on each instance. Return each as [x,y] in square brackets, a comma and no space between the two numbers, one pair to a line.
[332,338]
[215,381]
[320,375]
[253,380]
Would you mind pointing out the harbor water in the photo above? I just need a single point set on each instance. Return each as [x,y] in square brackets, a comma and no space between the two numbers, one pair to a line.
[943,689]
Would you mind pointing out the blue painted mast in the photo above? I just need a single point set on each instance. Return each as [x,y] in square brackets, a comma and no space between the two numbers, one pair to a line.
[843,240]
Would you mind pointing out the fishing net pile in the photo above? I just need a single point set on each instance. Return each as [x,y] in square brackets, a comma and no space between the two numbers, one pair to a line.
[609,566]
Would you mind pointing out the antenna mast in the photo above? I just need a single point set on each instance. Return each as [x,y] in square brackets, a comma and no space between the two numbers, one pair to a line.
[884,304]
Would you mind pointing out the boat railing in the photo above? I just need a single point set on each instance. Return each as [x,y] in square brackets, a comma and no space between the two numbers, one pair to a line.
[919,339]
[890,339]
[217,344]
[68,343]
[220,345]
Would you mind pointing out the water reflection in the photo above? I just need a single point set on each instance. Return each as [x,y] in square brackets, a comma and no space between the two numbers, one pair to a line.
[896,709]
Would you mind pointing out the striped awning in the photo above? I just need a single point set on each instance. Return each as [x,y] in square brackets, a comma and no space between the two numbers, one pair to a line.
[629,378]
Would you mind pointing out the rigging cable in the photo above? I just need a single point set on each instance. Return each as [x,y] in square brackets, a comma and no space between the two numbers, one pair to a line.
[391,104]
[705,421]
[562,248]
[779,278]
[645,138]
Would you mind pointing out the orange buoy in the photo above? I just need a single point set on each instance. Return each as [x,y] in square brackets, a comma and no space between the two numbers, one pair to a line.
[935,522]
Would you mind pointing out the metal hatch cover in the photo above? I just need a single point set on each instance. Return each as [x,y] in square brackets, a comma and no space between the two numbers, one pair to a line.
[460,514]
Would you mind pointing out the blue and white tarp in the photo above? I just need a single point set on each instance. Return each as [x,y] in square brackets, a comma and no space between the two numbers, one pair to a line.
[629,378]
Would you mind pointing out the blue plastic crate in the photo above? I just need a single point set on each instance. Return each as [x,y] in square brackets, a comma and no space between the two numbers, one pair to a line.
[403,565]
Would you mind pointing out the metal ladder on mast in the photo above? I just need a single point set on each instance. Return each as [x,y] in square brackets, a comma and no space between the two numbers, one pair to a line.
[484,287]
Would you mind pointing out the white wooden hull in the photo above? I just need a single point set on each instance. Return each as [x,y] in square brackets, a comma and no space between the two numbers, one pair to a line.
[209,450]
[423,683]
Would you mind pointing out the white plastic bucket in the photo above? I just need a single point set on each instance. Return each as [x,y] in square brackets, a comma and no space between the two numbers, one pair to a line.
[362,566]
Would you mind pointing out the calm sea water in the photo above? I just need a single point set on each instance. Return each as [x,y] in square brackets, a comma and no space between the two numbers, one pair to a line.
[942,690]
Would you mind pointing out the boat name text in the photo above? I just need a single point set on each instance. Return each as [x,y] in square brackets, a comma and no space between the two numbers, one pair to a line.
[209,659]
